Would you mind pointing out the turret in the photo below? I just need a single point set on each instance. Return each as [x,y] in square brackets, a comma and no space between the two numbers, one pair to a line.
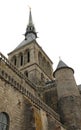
[69,104]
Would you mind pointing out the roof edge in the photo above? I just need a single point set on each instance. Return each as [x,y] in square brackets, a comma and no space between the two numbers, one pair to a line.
[62,68]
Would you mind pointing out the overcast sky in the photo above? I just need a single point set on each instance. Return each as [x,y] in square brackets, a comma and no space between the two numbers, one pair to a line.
[58,23]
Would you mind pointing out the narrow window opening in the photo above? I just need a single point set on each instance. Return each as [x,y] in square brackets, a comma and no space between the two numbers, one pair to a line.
[21,60]
[4,121]
[15,61]
[28,56]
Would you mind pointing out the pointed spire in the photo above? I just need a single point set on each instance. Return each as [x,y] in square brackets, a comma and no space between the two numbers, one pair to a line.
[30,30]
[30,33]
[30,17]
[61,65]
[59,58]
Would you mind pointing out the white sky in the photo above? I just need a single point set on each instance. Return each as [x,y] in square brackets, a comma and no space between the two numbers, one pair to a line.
[58,23]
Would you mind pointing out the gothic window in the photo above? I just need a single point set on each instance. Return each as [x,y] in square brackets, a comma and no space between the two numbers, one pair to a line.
[15,61]
[4,121]
[30,28]
[28,56]
[21,59]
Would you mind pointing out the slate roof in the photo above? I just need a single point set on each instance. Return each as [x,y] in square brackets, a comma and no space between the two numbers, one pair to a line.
[30,34]
[24,42]
[62,65]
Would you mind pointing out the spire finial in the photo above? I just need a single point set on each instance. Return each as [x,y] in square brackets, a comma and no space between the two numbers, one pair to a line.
[30,16]
[29,7]
[59,58]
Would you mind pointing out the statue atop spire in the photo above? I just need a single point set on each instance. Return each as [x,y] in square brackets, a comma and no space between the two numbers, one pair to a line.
[30,30]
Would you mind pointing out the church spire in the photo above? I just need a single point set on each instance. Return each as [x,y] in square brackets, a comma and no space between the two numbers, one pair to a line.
[30,30]
[30,17]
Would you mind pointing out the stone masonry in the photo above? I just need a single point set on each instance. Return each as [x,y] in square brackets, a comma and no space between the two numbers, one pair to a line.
[30,97]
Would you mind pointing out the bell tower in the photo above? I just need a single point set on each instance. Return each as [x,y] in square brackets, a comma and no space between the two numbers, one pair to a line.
[30,58]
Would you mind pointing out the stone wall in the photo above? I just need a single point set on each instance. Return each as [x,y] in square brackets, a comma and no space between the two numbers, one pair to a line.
[18,99]
[12,102]
[70,112]
[53,124]
[51,98]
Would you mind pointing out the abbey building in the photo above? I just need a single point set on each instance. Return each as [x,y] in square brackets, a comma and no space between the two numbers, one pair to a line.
[32,95]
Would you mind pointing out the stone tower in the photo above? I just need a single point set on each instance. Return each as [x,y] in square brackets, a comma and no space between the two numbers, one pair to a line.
[69,100]
[30,98]
[30,58]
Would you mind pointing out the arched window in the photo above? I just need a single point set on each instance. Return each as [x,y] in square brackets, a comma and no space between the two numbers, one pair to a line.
[21,62]
[28,55]
[4,121]
[21,59]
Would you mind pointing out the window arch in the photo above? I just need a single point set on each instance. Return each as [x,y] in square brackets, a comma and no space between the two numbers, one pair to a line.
[27,56]
[21,59]
[4,121]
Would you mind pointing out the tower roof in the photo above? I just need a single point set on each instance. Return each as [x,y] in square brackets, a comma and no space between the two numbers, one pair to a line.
[30,33]
[30,28]
[62,65]
[30,18]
